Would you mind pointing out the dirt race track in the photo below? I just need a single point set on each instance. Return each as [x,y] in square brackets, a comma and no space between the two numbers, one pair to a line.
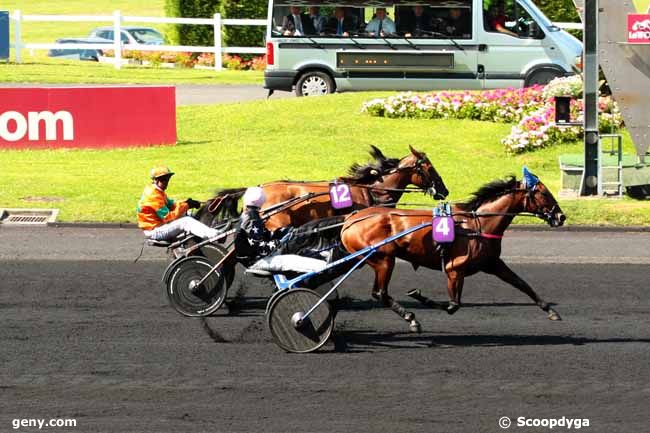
[96,341]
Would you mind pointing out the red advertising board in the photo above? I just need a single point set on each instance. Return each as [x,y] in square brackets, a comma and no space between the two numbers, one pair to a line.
[91,117]
[638,28]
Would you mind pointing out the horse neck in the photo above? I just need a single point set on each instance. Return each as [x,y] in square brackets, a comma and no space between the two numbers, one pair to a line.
[509,204]
[396,180]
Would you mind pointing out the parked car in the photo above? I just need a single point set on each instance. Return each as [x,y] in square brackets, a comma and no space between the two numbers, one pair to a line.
[131,35]
[79,53]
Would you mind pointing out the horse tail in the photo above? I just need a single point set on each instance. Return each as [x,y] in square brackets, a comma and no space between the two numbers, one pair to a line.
[222,206]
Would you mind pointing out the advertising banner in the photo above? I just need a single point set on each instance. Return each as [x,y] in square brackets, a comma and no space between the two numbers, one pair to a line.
[87,117]
[638,28]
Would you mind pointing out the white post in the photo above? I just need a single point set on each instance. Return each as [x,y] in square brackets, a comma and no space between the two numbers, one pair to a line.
[18,43]
[217,42]
[117,39]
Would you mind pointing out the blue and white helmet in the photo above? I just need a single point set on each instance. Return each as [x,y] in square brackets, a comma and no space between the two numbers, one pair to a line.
[254,196]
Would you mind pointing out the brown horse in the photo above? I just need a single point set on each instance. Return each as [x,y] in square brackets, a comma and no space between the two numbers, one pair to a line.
[479,227]
[378,184]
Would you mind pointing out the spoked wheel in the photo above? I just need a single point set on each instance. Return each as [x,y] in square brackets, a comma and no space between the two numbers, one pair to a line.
[314,83]
[293,333]
[189,297]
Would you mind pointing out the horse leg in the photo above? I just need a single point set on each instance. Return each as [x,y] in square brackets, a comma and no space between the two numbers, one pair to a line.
[502,271]
[455,281]
[383,272]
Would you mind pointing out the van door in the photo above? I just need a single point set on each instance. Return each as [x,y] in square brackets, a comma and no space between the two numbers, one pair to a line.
[512,44]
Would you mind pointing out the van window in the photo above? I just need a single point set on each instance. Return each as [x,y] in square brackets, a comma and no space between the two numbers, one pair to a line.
[509,17]
[368,18]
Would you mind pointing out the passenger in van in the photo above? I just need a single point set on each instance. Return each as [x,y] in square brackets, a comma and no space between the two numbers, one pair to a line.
[317,20]
[495,18]
[381,25]
[340,24]
[419,23]
[297,23]
[458,25]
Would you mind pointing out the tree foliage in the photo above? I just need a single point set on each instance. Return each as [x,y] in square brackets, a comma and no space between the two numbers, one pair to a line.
[559,10]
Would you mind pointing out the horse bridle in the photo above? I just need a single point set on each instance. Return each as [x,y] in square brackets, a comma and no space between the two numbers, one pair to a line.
[417,166]
[549,215]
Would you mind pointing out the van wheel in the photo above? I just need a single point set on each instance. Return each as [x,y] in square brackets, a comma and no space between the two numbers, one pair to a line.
[314,83]
[541,77]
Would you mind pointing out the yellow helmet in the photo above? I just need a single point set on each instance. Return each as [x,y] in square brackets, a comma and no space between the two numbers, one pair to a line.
[161,171]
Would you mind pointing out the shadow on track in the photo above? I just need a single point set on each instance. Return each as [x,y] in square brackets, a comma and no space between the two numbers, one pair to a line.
[364,341]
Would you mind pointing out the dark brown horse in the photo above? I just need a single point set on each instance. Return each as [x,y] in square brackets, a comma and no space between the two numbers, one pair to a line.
[479,227]
[376,184]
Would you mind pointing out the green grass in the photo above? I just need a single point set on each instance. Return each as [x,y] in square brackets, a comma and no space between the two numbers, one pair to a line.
[70,71]
[303,138]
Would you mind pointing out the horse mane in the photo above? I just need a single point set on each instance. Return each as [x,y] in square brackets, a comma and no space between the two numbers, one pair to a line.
[372,171]
[489,192]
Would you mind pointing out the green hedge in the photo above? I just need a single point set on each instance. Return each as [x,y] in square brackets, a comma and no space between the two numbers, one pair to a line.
[183,34]
[244,36]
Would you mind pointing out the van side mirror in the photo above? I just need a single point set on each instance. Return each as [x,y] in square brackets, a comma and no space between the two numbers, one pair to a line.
[535,31]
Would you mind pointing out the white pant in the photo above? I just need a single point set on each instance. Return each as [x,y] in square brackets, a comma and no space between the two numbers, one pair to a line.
[186,224]
[289,262]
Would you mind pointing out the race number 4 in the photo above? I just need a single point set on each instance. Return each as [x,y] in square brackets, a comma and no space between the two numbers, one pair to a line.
[340,195]
[443,229]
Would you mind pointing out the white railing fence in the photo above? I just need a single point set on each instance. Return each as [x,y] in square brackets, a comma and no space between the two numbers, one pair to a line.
[117,19]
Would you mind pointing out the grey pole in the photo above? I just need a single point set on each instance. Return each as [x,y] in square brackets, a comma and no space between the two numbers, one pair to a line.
[590,97]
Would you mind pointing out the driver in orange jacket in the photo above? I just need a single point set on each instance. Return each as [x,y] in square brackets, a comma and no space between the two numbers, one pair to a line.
[161,218]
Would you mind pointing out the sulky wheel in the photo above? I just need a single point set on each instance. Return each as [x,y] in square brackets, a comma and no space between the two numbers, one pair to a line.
[191,299]
[291,333]
[272,299]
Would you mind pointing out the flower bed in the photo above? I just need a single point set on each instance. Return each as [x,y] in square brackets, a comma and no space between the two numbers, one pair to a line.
[189,60]
[532,109]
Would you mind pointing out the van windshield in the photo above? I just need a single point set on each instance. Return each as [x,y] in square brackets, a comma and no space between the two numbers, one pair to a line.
[427,19]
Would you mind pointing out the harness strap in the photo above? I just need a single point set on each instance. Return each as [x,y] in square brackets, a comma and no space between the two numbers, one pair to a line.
[490,236]
[216,203]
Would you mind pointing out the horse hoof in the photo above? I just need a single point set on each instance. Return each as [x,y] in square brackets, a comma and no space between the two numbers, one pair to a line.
[414,326]
[552,315]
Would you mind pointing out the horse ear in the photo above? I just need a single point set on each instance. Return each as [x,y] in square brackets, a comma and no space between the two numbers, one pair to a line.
[415,152]
[376,153]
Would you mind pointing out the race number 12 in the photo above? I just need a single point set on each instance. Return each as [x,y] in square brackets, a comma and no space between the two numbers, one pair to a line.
[340,195]
[443,229]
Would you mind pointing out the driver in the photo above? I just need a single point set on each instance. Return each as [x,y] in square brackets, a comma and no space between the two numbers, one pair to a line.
[161,218]
[255,244]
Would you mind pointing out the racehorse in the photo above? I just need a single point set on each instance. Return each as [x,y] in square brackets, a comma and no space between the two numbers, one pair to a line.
[375,184]
[479,227]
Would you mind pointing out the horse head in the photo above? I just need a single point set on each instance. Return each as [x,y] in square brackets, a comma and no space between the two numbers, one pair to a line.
[538,200]
[423,174]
